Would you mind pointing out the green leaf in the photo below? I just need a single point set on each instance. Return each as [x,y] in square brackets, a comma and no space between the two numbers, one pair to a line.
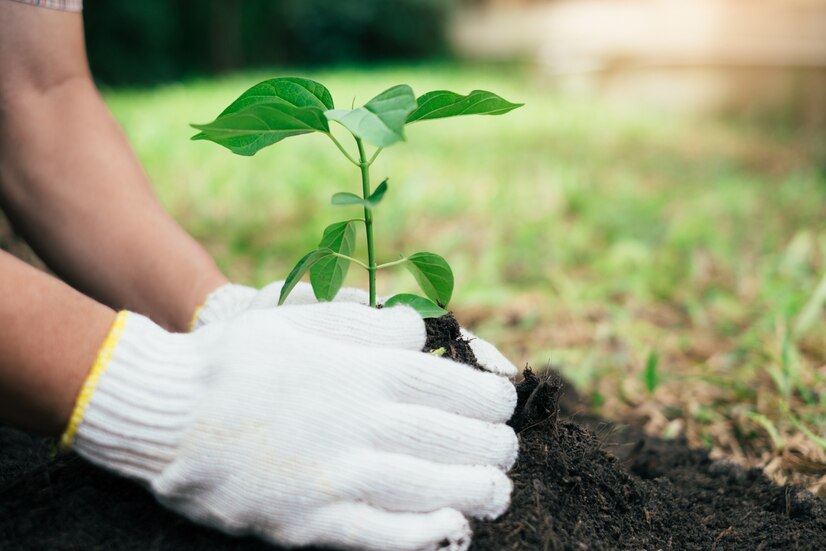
[424,307]
[650,375]
[381,120]
[292,91]
[347,198]
[256,126]
[442,103]
[298,104]
[306,262]
[433,275]
[327,275]
[378,194]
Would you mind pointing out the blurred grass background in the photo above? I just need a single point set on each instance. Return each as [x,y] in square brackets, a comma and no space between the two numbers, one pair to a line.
[671,265]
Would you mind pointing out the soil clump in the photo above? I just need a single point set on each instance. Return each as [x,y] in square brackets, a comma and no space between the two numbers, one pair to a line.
[445,334]
[580,483]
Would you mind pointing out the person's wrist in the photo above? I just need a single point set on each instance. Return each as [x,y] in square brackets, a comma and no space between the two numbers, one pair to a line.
[58,397]
[208,284]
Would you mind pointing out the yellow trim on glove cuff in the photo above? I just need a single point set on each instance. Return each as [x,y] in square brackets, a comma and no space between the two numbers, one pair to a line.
[194,319]
[90,384]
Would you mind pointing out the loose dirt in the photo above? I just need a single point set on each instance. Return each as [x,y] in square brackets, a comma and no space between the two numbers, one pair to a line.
[573,490]
[580,483]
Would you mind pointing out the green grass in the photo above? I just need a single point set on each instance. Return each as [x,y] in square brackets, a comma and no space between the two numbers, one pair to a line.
[583,235]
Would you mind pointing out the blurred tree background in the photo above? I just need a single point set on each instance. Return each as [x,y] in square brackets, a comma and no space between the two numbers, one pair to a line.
[156,40]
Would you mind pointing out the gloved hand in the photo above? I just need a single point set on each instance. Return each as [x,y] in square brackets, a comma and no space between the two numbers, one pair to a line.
[318,424]
[229,300]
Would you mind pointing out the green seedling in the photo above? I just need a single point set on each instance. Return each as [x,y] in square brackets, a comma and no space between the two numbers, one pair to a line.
[280,108]
[651,375]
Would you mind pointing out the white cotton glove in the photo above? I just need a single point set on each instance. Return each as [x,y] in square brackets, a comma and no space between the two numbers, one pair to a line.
[320,424]
[229,300]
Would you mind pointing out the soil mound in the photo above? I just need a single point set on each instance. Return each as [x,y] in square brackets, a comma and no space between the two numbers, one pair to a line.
[571,493]
[572,490]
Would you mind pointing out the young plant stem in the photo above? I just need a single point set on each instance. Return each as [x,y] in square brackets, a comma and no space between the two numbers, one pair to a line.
[376,154]
[343,151]
[354,260]
[364,165]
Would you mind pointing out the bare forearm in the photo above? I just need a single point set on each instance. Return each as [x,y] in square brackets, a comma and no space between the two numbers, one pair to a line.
[73,187]
[50,337]
[76,192]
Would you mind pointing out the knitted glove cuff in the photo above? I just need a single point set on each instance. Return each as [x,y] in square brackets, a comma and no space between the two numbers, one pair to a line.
[139,399]
[222,304]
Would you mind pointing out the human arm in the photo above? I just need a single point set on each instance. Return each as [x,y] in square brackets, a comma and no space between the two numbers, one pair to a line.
[51,334]
[72,186]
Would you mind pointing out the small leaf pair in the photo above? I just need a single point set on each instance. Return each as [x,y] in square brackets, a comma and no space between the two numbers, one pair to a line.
[343,198]
[435,279]
[328,264]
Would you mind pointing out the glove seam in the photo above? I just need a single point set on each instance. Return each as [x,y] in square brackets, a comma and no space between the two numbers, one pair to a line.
[84,396]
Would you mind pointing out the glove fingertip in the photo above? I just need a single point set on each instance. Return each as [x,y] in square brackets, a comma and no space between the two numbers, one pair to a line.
[501,488]
[490,358]
[361,526]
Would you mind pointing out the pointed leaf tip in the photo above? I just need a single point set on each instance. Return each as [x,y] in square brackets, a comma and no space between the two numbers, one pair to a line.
[307,261]
[267,113]
[443,103]
[378,194]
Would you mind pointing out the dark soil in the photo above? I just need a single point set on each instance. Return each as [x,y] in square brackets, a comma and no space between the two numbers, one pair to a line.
[572,490]
[444,333]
